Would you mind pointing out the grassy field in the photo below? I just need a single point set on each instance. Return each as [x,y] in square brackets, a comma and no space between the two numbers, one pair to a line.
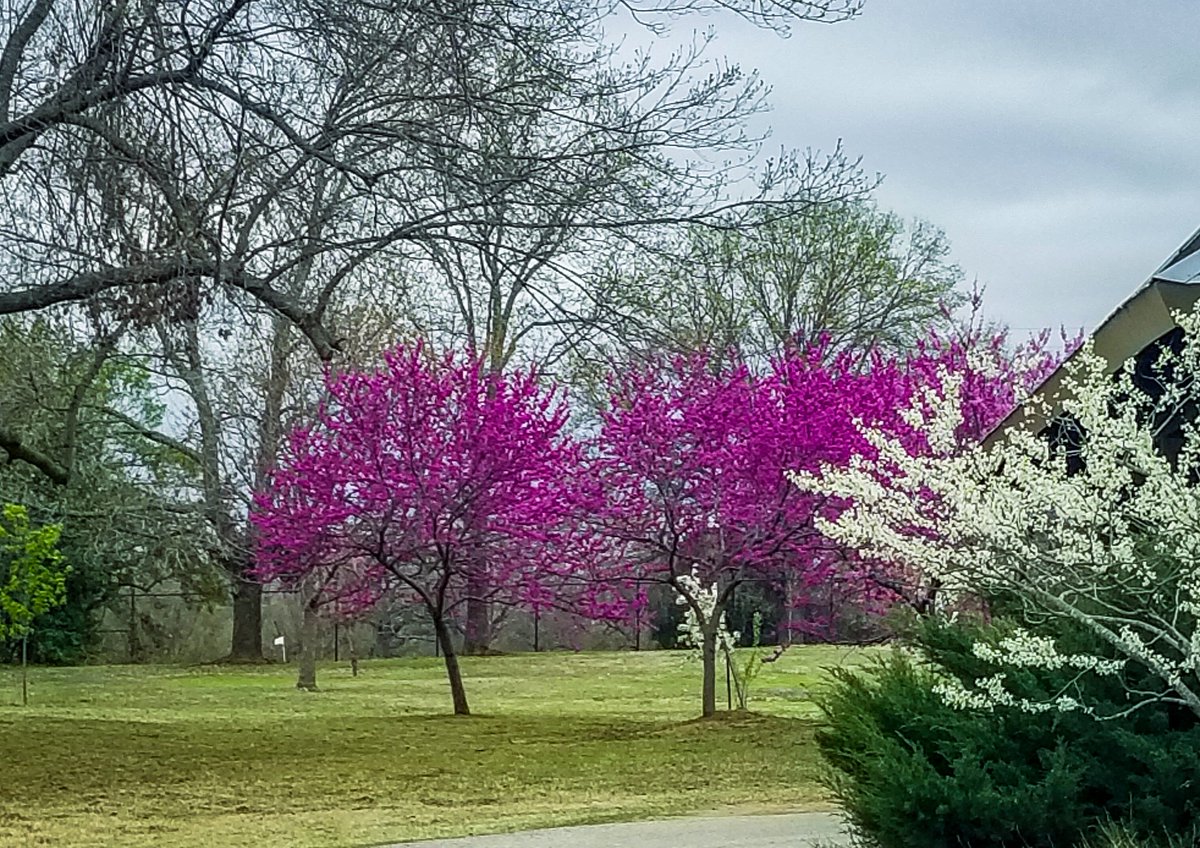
[168,756]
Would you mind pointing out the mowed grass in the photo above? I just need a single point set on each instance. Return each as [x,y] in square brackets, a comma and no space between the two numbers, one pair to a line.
[224,756]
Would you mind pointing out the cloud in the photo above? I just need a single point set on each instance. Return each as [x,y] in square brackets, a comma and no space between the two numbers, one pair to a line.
[1055,143]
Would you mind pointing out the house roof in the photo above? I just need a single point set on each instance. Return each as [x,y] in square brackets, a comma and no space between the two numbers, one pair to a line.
[1145,316]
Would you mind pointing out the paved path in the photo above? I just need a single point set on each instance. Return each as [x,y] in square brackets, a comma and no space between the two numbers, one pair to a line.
[797,830]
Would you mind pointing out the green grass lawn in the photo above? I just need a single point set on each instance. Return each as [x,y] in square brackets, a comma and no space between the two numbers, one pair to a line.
[168,756]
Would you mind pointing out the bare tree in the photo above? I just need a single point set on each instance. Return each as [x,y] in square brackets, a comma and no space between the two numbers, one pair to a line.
[373,90]
[566,178]
[219,167]
[842,272]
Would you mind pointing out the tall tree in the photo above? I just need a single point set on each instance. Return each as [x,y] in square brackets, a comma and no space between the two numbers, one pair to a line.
[573,175]
[413,479]
[242,160]
[692,456]
[249,98]
[840,273]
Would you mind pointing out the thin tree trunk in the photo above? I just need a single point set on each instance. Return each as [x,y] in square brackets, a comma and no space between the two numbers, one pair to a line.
[708,656]
[478,636]
[247,622]
[309,633]
[25,670]
[247,644]
[453,672]
[789,606]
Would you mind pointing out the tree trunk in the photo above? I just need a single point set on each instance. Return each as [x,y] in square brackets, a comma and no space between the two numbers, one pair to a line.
[350,640]
[247,621]
[478,635]
[789,620]
[453,672]
[309,633]
[708,656]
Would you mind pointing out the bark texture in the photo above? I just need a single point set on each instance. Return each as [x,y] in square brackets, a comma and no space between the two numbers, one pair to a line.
[247,621]
[457,693]
[309,636]
[708,654]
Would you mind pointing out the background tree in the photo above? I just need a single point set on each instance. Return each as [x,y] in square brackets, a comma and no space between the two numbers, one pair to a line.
[790,276]
[33,578]
[85,407]
[213,171]
[587,164]
[253,99]
[847,272]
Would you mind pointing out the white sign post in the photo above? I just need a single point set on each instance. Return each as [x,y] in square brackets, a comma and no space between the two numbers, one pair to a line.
[279,643]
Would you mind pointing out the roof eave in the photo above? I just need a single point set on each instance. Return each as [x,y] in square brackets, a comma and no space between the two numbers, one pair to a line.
[1142,318]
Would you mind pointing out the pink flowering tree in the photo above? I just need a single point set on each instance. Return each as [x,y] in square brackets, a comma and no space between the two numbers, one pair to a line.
[994,374]
[418,481]
[692,456]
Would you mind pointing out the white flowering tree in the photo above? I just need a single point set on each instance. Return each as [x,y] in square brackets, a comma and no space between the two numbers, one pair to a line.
[700,605]
[1101,529]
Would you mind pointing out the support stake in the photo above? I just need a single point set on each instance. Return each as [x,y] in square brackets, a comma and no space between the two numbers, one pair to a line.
[25,670]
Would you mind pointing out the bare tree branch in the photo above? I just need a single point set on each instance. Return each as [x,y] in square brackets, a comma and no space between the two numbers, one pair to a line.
[17,449]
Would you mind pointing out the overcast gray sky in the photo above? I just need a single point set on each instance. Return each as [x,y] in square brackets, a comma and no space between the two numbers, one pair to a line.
[1056,142]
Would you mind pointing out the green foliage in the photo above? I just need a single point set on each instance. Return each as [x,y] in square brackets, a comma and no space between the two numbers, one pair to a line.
[756,598]
[32,573]
[121,522]
[665,616]
[751,599]
[66,634]
[913,772]
[858,275]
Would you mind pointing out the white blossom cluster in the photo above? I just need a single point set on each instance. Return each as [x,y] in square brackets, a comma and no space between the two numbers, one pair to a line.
[1113,547]
[1027,650]
[691,629]
[989,693]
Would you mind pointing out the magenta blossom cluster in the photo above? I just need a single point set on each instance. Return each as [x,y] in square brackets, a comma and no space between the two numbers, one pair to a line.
[437,481]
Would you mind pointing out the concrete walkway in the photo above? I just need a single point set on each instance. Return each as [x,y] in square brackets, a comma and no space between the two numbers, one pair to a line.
[796,830]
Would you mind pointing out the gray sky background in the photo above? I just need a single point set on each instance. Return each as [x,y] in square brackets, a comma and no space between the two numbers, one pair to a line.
[1057,143]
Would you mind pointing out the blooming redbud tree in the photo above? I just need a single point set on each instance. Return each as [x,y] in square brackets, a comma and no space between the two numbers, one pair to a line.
[1100,531]
[692,456]
[421,480]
